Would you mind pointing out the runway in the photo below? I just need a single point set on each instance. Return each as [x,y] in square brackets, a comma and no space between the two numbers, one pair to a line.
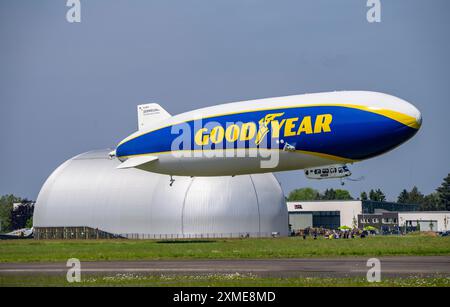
[307,267]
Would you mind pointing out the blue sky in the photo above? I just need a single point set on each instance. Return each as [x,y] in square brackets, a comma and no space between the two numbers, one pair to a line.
[70,88]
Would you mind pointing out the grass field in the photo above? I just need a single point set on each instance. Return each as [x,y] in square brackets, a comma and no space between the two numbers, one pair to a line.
[216,280]
[51,251]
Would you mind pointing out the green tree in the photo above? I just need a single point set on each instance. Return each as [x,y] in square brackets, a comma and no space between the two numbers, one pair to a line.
[329,194]
[377,195]
[403,198]
[415,197]
[432,202]
[304,194]
[332,194]
[312,194]
[444,193]
[364,196]
[6,207]
[343,195]
[29,223]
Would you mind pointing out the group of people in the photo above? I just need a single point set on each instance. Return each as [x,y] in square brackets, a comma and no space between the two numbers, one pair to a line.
[330,233]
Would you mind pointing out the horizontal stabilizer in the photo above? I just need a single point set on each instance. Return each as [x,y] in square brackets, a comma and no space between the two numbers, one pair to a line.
[137,161]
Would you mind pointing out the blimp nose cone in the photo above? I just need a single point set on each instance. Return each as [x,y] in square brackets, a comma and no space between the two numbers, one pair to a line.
[419,119]
[410,120]
[415,114]
[389,122]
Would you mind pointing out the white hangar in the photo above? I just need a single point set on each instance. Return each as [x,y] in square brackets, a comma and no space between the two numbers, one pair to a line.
[88,193]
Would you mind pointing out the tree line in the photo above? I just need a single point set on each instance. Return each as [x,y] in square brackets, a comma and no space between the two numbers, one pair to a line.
[435,201]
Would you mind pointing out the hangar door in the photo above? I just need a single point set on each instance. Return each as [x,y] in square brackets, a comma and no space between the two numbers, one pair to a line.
[327,219]
[300,221]
[428,225]
[316,219]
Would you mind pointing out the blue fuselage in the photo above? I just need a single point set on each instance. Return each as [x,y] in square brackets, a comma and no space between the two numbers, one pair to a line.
[344,132]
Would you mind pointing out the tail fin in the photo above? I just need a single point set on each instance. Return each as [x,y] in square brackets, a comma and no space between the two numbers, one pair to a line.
[149,114]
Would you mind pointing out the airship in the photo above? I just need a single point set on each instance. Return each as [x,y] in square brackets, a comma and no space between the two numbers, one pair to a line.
[270,135]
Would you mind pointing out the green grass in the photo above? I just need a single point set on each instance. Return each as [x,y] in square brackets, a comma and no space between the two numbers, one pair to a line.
[94,250]
[215,280]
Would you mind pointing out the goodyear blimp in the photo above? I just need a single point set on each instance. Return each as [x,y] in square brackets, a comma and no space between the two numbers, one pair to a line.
[307,132]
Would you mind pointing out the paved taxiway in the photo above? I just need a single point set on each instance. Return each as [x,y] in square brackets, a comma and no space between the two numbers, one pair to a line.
[338,267]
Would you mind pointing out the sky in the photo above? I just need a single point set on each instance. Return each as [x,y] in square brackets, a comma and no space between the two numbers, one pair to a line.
[68,88]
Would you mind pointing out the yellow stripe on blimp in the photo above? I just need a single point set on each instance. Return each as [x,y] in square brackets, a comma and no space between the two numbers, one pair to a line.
[394,115]
[397,116]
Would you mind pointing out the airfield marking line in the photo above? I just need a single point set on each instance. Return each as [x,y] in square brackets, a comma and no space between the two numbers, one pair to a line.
[337,267]
[129,270]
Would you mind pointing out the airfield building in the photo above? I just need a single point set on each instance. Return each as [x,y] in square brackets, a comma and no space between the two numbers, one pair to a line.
[87,197]
[387,217]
